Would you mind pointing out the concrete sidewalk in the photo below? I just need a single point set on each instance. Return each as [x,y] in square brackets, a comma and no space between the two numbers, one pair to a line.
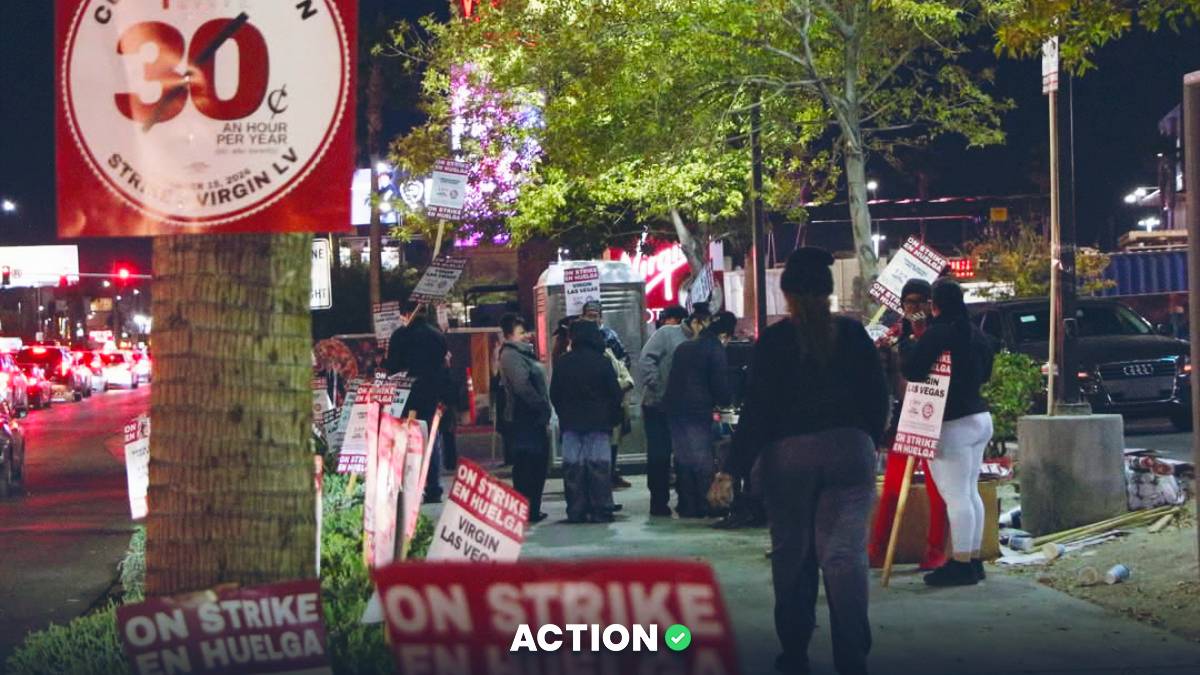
[1005,625]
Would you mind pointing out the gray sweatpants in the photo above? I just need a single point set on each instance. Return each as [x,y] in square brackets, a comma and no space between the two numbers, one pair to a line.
[819,491]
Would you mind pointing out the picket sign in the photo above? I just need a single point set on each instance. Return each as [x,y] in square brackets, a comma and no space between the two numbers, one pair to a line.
[918,434]
[484,519]
[137,465]
[581,285]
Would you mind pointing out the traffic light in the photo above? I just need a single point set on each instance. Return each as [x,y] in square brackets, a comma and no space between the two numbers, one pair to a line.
[5,275]
[123,273]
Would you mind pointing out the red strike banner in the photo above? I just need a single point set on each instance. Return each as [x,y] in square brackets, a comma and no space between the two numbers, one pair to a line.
[278,628]
[448,618]
[178,117]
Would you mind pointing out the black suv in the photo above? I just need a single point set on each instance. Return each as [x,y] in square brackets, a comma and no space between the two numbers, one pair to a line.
[1125,366]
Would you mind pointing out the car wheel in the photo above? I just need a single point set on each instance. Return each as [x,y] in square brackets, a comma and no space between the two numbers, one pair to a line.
[1182,420]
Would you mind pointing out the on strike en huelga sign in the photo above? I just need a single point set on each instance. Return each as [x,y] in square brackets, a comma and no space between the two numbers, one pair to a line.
[352,457]
[137,464]
[914,260]
[484,520]
[386,455]
[321,295]
[336,435]
[438,280]
[260,137]
[580,286]
[920,426]
[387,318]
[448,192]
[277,628]
[446,618]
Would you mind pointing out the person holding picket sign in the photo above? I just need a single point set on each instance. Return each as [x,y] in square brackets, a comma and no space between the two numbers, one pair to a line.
[966,426]
[815,407]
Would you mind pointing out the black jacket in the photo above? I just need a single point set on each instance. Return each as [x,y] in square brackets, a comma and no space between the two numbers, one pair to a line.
[971,357]
[420,350]
[584,387]
[788,393]
[699,378]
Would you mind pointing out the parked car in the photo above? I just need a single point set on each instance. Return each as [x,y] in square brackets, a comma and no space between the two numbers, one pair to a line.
[59,368]
[118,370]
[41,390]
[95,365]
[1125,365]
[14,385]
[12,452]
[142,366]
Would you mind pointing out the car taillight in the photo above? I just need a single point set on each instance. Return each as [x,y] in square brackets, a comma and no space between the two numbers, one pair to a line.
[39,350]
[64,368]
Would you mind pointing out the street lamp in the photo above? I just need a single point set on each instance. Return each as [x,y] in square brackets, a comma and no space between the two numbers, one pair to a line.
[873,188]
[8,206]
[878,239]
[1149,223]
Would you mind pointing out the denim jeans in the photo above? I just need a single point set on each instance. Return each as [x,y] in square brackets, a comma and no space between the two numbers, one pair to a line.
[587,474]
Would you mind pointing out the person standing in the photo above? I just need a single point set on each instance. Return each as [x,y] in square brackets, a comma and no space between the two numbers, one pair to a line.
[698,383]
[420,350]
[815,407]
[526,412]
[585,393]
[654,367]
[914,300]
[966,426]
[593,311]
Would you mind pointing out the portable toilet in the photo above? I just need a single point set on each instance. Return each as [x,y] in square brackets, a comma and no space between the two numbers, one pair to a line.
[623,294]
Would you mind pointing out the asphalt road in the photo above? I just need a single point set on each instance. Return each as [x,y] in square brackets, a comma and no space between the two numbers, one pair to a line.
[1159,435]
[60,541]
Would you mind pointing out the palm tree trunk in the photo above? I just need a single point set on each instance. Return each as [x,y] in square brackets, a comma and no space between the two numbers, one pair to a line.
[231,488]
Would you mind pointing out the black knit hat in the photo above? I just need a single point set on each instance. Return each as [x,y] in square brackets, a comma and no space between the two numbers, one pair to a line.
[807,272]
[948,296]
[917,286]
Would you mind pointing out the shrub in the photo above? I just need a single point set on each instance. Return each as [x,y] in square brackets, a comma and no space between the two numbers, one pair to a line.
[1016,380]
[89,644]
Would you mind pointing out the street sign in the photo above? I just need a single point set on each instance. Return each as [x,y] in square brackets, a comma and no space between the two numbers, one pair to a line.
[322,283]
[580,286]
[137,465]
[275,628]
[484,521]
[920,427]
[39,265]
[438,280]
[448,192]
[1050,65]
[483,618]
[185,117]
[914,260]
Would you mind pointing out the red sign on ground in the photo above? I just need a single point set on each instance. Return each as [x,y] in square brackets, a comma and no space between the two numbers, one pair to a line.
[265,629]
[185,117]
[600,616]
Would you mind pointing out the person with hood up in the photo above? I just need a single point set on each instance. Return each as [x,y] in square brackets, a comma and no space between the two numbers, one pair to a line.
[815,407]
[586,395]
[698,384]
[966,426]
[526,412]
[654,367]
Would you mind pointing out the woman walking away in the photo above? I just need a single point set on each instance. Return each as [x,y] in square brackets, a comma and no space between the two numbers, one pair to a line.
[586,395]
[966,427]
[816,404]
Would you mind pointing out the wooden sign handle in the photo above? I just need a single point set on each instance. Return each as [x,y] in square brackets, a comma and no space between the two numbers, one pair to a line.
[899,517]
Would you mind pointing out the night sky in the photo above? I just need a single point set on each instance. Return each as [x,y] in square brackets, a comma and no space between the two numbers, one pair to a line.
[1117,108]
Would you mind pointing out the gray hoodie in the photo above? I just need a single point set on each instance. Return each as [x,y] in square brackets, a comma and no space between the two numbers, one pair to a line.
[654,363]
[528,398]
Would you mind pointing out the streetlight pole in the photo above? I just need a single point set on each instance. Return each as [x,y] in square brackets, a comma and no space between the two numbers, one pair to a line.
[1191,176]
[758,216]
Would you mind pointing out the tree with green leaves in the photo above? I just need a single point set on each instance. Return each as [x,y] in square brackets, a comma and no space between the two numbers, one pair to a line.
[1018,263]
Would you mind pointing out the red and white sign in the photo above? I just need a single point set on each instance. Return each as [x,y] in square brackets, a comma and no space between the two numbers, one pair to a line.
[920,428]
[416,469]
[137,465]
[580,286]
[352,458]
[448,191]
[438,280]
[446,618]
[183,117]
[276,628]
[914,260]
[484,520]
[385,473]
[40,265]
[1050,65]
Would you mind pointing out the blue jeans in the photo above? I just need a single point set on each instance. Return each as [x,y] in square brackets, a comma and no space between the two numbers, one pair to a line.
[692,443]
[587,474]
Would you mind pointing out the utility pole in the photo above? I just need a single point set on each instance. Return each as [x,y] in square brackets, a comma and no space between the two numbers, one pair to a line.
[1069,400]
[374,127]
[1191,177]
[758,216]
[1050,88]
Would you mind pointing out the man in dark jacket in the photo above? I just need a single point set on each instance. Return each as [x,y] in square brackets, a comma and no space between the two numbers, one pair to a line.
[586,396]
[698,383]
[526,412]
[420,350]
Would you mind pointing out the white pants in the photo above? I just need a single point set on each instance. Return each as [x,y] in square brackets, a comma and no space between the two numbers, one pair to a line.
[956,472]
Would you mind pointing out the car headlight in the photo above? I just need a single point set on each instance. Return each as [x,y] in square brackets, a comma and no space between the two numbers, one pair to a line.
[1185,365]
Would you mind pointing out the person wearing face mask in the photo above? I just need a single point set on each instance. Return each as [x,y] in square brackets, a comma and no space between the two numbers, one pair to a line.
[526,412]
[915,302]
[697,384]
[966,426]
